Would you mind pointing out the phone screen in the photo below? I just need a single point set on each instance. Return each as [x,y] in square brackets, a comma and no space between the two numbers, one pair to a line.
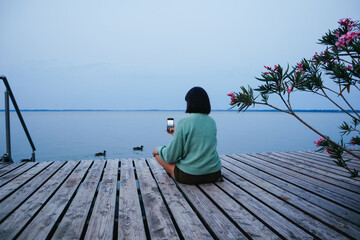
[170,124]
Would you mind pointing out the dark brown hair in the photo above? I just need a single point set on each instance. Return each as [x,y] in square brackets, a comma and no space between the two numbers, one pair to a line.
[197,101]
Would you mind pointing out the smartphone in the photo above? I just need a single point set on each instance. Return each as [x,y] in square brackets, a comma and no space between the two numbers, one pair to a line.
[170,125]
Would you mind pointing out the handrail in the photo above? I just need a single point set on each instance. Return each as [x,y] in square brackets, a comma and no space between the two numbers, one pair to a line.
[11,95]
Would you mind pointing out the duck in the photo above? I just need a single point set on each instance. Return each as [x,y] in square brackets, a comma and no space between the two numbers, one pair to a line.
[100,154]
[138,148]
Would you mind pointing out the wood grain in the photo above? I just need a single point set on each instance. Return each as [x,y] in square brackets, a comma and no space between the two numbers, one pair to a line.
[22,179]
[189,223]
[42,224]
[11,202]
[101,225]
[157,216]
[6,178]
[18,219]
[74,220]
[131,225]
[294,208]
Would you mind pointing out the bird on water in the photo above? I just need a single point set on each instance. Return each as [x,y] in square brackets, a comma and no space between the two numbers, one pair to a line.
[138,148]
[100,154]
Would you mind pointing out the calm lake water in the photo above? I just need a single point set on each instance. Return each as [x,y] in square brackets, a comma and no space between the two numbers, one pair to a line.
[78,135]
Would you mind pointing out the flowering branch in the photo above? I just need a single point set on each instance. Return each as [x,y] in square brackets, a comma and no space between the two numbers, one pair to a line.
[340,62]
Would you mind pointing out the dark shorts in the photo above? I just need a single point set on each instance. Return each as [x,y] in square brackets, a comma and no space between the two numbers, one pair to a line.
[186,178]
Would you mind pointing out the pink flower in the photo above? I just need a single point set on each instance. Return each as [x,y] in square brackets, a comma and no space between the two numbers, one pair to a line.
[290,88]
[328,150]
[346,22]
[346,38]
[341,42]
[266,73]
[315,56]
[355,141]
[275,68]
[231,94]
[343,21]
[300,66]
[335,61]
[233,100]
[318,142]
[337,34]
[268,68]
[349,67]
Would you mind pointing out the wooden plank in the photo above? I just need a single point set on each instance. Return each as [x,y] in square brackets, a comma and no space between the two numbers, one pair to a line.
[2,165]
[11,202]
[19,218]
[22,179]
[74,219]
[44,222]
[308,178]
[292,214]
[221,226]
[338,172]
[101,225]
[10,168]
[353,160]
[246,220]
[300,181]
[279,199]
[249,172]
[343,182]
[308,161]
[188,222]
[324,157]
[130,225]
[15,173]
[286,229]
[309,156]
[157,215]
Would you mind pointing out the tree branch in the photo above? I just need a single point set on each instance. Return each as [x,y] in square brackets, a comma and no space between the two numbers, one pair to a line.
[350,106]
[322,135]
[326,96]
[267,104]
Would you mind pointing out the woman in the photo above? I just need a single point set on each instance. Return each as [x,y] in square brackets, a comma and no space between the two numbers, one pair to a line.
[191,156]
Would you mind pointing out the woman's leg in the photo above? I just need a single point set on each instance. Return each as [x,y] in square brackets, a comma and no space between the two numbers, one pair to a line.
[169,167]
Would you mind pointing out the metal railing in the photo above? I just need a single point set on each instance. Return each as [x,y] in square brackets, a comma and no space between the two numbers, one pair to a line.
[8,94]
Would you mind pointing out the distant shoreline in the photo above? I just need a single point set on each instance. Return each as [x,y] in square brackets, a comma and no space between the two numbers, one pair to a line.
[167,110]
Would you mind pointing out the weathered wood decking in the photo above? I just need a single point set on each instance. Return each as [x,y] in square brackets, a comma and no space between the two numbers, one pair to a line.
[285,195]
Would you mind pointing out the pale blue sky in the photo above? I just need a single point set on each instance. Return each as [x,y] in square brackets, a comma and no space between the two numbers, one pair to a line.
[147,54]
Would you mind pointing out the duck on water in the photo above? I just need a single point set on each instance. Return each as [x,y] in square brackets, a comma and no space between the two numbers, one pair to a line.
[138,148]
[100,154]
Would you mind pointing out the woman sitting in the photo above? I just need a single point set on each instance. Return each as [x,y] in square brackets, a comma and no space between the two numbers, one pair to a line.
[191,156]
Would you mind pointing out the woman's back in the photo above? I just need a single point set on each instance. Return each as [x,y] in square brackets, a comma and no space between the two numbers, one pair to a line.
[193,148]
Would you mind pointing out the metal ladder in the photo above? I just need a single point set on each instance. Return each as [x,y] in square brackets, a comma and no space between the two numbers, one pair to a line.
[9,95]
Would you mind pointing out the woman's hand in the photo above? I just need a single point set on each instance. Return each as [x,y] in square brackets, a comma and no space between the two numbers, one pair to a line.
[172,132]
[154,152]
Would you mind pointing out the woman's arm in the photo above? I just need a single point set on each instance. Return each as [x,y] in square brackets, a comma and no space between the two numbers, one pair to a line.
[174,150]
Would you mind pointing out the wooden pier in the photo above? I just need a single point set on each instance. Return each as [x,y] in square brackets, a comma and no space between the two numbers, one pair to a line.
[285,195]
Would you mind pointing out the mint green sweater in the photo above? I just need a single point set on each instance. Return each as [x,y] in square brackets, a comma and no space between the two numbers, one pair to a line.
[193,147]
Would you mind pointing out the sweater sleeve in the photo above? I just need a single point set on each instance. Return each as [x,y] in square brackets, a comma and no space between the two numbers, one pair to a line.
[172,152]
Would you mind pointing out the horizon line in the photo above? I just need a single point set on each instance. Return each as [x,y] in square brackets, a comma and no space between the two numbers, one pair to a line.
[167,110]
